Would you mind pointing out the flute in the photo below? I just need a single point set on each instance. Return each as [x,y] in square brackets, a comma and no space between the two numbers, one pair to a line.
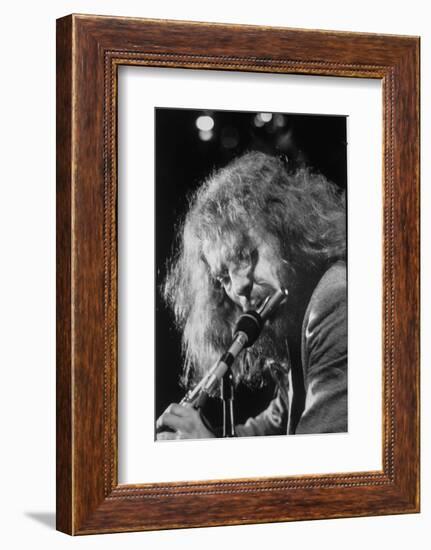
[247,330]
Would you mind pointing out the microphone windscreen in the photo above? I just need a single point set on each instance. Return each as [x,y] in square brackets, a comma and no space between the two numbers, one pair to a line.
[251,324]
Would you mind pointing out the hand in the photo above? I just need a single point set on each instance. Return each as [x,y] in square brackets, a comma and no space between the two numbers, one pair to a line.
[183,422]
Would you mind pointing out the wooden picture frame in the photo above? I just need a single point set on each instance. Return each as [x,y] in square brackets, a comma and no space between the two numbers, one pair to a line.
[89,51]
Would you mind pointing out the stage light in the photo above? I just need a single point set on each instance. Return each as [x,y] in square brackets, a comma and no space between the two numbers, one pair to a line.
[205,123]
[265,117]
[205,135]
[262,118]
[279,120]
[258,121]
[229,137]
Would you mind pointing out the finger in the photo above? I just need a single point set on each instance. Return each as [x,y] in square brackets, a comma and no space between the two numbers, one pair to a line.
[179,410]
[169,420]
[173,408]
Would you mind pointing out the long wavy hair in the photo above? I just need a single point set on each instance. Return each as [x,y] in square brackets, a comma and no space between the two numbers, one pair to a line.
[303,213]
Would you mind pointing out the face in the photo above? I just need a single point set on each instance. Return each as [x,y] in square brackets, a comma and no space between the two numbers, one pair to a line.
[247,268]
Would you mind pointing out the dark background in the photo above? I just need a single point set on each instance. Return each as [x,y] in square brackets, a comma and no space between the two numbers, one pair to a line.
[184,157]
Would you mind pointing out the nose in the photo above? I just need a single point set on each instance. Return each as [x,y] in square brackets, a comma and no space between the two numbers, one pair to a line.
[242,282]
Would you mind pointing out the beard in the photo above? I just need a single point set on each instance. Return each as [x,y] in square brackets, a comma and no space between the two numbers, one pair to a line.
[270,352]
[269,355]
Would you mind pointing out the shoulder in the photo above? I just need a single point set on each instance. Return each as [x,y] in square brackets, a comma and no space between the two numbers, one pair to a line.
[330,292]
[325,322]
[324,355]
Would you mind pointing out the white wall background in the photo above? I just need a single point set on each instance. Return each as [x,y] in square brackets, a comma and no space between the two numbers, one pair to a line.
[27,275]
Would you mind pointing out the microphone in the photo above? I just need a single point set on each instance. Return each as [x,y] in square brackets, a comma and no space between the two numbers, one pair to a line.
[247,330]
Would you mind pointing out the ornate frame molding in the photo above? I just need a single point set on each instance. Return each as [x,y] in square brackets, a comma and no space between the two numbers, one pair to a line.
[90,49]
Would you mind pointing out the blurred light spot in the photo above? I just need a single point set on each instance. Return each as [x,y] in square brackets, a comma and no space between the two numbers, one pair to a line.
[205,135]
[265,117]
[262,118]
[229,137]
[205,123]
[285,141]
[279,120]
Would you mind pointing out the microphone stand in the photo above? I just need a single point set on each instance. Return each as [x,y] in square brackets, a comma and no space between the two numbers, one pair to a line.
[247,331]
[227,396]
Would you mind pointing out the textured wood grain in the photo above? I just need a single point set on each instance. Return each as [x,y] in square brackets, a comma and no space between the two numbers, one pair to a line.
[90,49]
[64,290]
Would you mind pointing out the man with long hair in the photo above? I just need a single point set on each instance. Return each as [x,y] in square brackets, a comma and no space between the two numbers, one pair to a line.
[252,228]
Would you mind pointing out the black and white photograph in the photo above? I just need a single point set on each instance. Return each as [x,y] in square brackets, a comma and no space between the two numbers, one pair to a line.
[212,226]
[251,274]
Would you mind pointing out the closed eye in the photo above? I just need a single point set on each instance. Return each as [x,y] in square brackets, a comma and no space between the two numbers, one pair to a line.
[247,257]
[223,279]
